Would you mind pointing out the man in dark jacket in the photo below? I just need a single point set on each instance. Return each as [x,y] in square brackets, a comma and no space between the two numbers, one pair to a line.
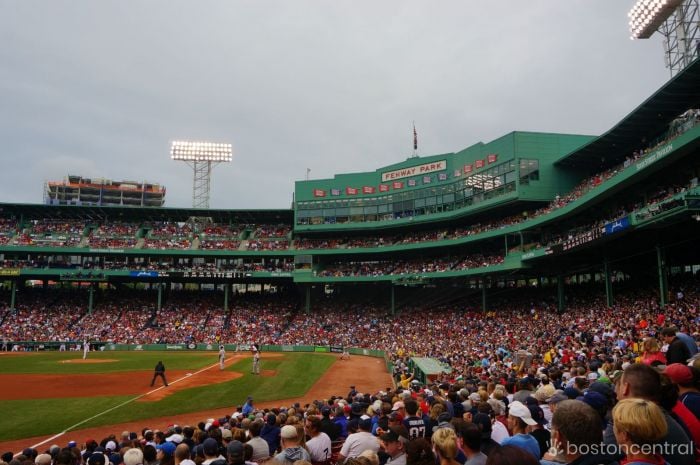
[159,371]
[677,350]
[271,433]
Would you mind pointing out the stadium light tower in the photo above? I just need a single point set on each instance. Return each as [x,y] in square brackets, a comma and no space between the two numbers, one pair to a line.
[201,156]
[677,20]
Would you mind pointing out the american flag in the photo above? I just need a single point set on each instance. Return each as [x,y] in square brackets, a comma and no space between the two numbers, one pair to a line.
[415,137]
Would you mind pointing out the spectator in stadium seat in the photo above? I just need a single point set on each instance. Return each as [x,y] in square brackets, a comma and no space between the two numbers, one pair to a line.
[677,351]
[644,382]
[360,441]
[686,378]
[444,442]
[419,452]
[319,443]
[327,425]
[519,418]
[652,352]
[469,439]
[415,425]
[639,425]
[575,428]
[261,449]
[271,433]
[291,447]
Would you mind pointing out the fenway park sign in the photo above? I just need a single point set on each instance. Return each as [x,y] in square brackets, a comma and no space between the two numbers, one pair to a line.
[414,170]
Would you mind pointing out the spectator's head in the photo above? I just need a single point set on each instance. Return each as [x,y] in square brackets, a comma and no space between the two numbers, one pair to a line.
[470,435]
[210,448]
[519,417]
[419,452]
[255,428]
[289,436]
[134,456]
[681,374]
[639,380]
[235,453]
[312,425]
[574,426]
[394,441]
[638,422]
[445,443]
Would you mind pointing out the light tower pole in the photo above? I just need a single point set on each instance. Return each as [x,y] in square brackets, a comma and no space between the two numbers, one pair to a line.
[678,21]
[202,157]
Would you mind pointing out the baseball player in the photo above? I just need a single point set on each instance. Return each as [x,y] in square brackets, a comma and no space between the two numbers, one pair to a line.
[86,348]
[256,360]
[222,356]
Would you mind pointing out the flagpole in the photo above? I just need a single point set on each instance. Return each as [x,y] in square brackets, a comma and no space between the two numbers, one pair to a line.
[415,141]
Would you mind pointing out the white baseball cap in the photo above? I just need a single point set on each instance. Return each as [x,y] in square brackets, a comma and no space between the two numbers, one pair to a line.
[519,410]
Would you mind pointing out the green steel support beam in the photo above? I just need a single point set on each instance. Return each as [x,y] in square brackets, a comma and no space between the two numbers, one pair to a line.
[91,298]
[160,296]
[560,293]
[608,284]
[663,279]
[227,289]
[13,296]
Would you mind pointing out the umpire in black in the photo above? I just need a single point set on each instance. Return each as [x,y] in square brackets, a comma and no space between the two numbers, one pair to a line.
[159,371]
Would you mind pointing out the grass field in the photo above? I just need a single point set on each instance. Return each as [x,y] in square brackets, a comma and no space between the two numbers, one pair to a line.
[24,418]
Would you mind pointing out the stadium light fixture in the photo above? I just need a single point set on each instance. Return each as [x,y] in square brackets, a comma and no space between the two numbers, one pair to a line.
[201,151]
[646,16]
[201,156]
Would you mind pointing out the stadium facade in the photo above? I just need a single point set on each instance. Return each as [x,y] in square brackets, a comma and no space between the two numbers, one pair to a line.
[527,209]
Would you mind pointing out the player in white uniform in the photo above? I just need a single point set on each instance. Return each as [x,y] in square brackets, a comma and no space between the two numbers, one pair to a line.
[256,360]
[86,349]
[222,356]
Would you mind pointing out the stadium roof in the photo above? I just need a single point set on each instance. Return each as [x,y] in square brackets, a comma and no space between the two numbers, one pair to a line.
[650,118]
[112,213]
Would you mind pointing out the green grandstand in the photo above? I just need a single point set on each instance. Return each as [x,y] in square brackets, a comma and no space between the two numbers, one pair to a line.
[525,209]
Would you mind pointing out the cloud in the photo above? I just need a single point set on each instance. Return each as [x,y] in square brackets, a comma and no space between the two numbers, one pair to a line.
[101,88]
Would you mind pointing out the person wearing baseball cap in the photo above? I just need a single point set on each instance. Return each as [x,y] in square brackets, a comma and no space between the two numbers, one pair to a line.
[358,442]
[519,418]
[685,377]
[291,446]
[394,444]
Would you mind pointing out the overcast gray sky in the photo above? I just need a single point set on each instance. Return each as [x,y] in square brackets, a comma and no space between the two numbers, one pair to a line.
[101,88]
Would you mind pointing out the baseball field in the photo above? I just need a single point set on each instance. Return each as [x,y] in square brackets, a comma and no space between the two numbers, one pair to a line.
[54,397]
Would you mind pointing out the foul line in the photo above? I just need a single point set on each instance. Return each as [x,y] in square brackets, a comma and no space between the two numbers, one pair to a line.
[70,428]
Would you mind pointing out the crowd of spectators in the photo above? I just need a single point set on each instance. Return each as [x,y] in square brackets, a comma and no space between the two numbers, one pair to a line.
[268,244]
[219,244]
[8,229]
[519,317]
[413,266]
[518,380]
[269,231]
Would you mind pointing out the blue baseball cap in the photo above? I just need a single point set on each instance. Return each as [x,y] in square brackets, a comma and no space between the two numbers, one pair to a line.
[168,448]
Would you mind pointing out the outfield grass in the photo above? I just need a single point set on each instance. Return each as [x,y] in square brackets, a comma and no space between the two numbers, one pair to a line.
[295,374]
